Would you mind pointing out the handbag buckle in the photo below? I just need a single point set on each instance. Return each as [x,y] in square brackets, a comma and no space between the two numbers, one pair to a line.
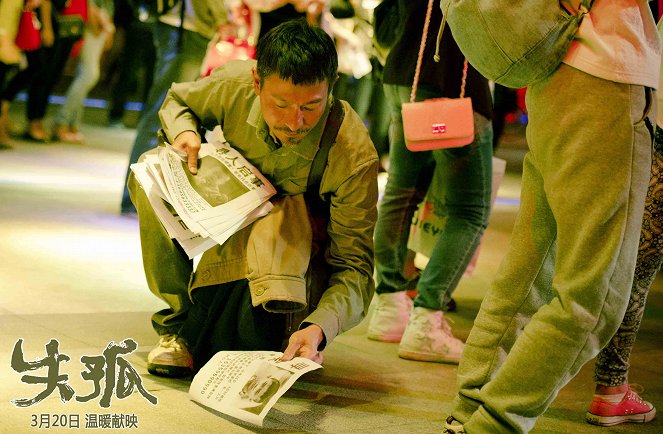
[439,128]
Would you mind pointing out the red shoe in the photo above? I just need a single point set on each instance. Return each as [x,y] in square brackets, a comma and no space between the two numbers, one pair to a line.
[631,408]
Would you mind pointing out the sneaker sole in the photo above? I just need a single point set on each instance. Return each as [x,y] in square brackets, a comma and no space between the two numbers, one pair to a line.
[385,338]
[616,420]
[426,357]
[169,371]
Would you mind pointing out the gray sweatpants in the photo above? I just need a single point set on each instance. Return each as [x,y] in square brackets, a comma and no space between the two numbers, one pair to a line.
[563,287]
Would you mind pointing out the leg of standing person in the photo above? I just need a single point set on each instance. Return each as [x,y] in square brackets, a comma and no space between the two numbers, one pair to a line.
[4,108]
[465,178]
[177,61]
[361,98]
[614,402]
[409,176]
[343,88]
[20,81]
[148,58]
[138,54]
[379,120]
[55,59]
[504,102]
[70,114]
[559,294]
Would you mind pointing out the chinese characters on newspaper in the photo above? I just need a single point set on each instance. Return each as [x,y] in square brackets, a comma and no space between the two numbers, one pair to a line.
[200,211]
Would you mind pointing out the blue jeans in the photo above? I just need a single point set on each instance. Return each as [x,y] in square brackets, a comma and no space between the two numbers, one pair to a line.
[464,175]
[176,62]
[87,75]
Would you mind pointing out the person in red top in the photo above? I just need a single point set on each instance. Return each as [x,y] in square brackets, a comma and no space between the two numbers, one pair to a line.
[51,58]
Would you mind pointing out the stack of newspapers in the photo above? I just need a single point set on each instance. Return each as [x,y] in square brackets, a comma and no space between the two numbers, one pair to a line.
[203,210]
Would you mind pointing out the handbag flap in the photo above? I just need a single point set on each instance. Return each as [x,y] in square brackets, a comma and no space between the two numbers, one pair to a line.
[440,118]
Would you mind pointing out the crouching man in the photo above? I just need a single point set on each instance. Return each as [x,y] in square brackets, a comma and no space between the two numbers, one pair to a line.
[286,282]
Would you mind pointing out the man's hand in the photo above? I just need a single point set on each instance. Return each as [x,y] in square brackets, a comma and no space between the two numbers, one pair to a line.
[187,143]
[305,343]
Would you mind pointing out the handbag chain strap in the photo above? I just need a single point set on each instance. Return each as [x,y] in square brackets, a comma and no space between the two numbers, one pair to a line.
[415,83]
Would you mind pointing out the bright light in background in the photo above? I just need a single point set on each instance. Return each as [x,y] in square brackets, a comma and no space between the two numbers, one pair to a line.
[89,102]
[73,244]
[94,268]
[79,182]
[58,168]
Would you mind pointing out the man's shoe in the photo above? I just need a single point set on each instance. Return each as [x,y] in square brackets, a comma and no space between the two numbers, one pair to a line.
[452,426]
[170,358]
[391,315]
[428,338]
[631,408]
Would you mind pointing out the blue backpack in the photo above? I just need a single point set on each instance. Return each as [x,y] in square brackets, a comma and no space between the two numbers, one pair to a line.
[514,43]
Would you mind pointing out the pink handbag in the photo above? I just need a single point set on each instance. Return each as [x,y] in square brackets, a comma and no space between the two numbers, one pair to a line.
[437,123]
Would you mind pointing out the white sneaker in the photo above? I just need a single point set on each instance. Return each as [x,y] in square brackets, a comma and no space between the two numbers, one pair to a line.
[390,318]
[170,358]
[428,338]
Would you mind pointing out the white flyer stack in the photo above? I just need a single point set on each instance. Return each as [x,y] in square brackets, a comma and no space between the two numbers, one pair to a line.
[203,210]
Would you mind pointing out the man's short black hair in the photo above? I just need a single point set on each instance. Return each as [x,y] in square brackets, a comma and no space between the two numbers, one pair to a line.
[298,52]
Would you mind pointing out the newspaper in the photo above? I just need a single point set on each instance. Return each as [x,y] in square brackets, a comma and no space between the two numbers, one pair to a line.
[246,384]
[203,210]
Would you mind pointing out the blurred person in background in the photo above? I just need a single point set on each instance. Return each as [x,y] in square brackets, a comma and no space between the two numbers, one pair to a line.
[464,177]
[614,399]
[11,64]
[98,37]
[181,37]
[136,59]
[54,54]
[359,78]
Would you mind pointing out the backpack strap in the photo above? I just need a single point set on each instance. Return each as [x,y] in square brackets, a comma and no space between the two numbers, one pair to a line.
[318,207]
[334,121]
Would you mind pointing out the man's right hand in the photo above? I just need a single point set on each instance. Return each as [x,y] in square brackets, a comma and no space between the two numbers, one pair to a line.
[305,343]
[188,143]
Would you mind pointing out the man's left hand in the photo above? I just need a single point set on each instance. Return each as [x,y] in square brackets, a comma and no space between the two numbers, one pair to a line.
[305,343]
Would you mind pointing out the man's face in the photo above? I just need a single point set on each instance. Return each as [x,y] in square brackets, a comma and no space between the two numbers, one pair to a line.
[290,110]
